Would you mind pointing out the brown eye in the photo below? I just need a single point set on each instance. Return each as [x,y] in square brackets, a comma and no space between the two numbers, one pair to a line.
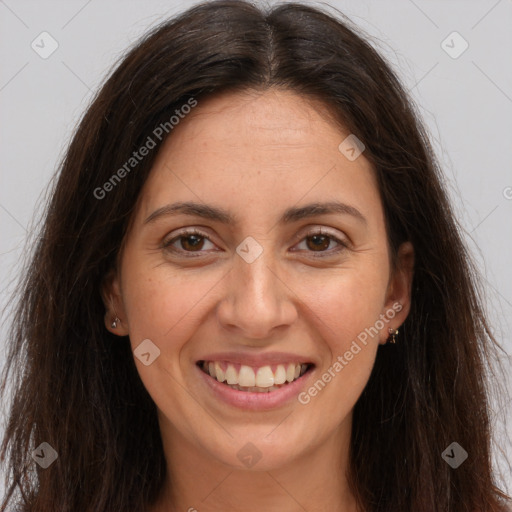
[318,242]
[192,242]
[187,242]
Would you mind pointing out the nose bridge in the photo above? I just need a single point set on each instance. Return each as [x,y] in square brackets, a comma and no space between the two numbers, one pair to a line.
[259,282]
[254,268]
[256,299]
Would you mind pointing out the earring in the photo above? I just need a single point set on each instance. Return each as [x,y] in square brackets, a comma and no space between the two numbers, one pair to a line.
[116,319]
[393,334]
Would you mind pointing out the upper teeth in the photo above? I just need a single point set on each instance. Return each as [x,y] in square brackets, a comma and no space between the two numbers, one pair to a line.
[247,376]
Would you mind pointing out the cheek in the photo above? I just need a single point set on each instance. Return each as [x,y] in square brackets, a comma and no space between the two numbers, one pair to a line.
[345,305]
[164,306]
[346,312]
[161,302]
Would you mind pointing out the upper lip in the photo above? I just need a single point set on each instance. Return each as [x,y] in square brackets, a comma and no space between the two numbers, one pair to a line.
[257,360]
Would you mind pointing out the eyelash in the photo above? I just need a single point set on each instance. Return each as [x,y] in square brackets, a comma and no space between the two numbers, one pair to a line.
[190,254]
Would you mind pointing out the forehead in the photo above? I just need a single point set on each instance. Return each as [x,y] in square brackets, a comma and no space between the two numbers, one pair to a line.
[255,121]
[257,150]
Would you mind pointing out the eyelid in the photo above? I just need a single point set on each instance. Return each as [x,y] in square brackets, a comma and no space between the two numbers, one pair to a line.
[343,242]
[320,230]
[184,232]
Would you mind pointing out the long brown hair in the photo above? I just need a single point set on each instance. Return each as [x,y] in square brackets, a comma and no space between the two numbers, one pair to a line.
[76,386]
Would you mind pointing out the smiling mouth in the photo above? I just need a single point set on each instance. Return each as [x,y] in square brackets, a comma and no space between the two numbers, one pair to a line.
[263,379]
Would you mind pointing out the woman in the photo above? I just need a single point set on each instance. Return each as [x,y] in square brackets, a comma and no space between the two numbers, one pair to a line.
[250,292]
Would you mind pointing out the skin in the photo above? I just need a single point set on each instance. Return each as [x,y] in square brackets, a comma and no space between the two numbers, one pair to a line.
[256,154]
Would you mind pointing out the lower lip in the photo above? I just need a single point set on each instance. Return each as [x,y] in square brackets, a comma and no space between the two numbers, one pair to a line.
[255,401]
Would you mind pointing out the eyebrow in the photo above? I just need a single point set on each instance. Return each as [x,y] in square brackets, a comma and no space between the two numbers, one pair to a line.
[293,214]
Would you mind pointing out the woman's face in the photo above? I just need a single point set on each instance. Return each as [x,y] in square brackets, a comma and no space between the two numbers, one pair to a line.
[265,289]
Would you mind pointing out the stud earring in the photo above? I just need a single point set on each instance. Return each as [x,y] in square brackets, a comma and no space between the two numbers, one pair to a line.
[393,334]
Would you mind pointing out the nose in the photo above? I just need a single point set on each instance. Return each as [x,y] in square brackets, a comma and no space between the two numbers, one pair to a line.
[257,301]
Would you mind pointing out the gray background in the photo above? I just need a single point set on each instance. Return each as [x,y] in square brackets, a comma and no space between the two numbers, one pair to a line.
[466,103]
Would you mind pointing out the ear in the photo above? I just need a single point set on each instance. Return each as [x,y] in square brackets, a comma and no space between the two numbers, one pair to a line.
[398,296]
[113,302]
